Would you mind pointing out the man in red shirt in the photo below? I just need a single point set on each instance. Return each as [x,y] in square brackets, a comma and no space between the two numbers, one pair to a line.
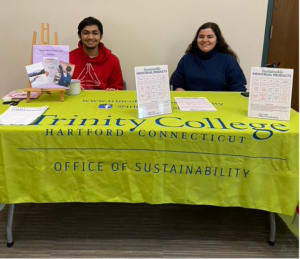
[95,66]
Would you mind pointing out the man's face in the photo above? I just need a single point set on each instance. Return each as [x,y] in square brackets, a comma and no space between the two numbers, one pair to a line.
[90,36]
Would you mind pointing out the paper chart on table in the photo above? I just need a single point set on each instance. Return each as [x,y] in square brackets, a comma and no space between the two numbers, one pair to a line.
[194,104]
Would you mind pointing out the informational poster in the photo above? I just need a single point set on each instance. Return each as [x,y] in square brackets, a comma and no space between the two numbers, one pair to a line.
[270,93]
[50,51]
[153,90]
[191,104]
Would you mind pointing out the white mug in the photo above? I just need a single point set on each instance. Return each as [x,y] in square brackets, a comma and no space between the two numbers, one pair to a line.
[74,87]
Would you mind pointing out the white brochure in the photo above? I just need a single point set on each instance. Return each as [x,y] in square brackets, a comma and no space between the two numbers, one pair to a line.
[15,115]
[153,90]
[191,104]
[50,66]
[270,93]
[36,75]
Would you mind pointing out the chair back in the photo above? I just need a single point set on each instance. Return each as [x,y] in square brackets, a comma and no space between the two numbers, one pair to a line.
[274,64]
[171,77]
[124,85]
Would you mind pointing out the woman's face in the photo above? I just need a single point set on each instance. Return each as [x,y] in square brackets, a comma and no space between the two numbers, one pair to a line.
[206,40]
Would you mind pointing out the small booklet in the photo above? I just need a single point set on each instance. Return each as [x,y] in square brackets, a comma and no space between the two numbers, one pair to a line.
[21,115]
[20,95]
[64,74]
[190,104]
[36,74]
[50,66]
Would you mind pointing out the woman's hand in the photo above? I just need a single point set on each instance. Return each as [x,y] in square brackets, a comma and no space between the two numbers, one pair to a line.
[179,89]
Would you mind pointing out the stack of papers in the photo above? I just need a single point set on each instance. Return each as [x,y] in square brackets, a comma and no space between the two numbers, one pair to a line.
[21,115]
[20,94]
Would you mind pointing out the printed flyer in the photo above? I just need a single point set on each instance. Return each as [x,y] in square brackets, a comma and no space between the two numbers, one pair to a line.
[50,51]
[50,66]
[153,91]
[36,75]
[64,74]
[270,93]
[193,104]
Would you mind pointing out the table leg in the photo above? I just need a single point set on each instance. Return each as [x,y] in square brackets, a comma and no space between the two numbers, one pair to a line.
[9,235]
[272,229]
[61,96]
[28,97]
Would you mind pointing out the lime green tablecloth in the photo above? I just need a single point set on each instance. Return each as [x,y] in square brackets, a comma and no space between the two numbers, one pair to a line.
[79,152]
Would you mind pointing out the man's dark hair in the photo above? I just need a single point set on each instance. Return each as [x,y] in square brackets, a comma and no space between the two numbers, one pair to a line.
[90,21]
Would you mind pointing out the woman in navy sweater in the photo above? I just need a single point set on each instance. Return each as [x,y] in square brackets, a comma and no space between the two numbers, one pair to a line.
[209,64]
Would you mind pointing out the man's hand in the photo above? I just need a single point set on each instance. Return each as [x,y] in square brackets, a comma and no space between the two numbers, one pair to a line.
[111,89]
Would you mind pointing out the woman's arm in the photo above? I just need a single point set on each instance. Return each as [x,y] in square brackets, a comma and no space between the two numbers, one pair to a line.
[236,80]
[178,78]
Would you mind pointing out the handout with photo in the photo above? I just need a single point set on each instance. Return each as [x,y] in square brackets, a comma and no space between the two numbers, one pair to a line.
[64,74]
[36,75]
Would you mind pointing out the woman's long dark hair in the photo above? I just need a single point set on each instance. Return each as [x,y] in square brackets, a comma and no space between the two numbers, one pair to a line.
[221,45]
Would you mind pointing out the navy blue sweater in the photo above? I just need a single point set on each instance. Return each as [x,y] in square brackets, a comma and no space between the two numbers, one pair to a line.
[212,71]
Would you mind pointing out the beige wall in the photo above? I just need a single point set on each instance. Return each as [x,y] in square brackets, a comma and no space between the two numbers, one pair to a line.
[139,32]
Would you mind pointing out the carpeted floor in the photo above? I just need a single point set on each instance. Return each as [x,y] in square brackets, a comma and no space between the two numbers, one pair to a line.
[115,230]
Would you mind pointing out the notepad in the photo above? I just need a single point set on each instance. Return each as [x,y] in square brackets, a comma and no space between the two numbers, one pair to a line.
[21,115]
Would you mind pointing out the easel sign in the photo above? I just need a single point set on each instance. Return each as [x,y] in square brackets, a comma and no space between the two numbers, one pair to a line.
[40,52]
[153,91]
[270,93]
[46,43]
